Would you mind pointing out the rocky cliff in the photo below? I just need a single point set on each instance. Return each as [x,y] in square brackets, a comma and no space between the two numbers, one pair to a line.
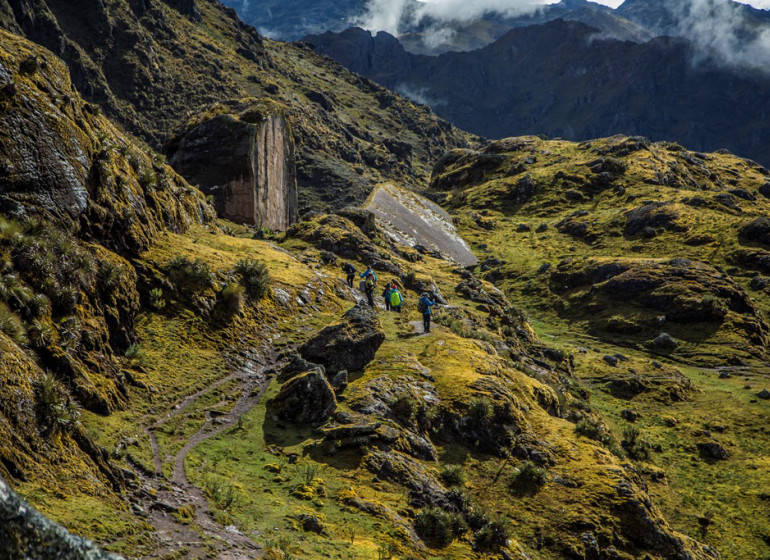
[244,161]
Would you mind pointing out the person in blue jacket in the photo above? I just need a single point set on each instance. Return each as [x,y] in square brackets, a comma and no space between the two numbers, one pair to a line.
[369,271]
[423,306]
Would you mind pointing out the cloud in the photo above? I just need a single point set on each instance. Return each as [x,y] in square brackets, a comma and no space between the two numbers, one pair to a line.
[721,32]
[395,16]
[419,95]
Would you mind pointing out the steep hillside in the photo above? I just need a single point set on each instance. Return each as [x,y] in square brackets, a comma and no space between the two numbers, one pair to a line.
[152,66]
[79,200]
[647,263]
[555,80]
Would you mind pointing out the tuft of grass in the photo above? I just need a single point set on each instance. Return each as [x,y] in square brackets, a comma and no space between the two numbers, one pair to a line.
[482,410]
[255,278]
[189,276]
[493,536]
[439,528]
[635,444]
[56,410]
[452,475]
[11,325]
[528,477]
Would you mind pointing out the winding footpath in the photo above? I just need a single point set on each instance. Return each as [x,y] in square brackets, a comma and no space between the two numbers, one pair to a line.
[167,501]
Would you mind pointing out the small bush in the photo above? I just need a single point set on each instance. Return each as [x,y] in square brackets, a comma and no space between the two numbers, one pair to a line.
[492,536]
[11,325]
[56,410]
[157,301]
[255,278]
[452,475]
[41,333]
[615,166]
[592,429]
[135,355]
[528,477]
[635,444]
[232,298]
[405,408]
[189,276]
[221,492]
[110,276]
[438,527]
[308,473]
[482,410]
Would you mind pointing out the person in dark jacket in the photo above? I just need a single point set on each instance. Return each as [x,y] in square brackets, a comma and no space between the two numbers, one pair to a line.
[386,296]
[423,306]
[350,270]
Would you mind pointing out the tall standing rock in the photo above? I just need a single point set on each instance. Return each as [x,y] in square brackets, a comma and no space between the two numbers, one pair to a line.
[243,156]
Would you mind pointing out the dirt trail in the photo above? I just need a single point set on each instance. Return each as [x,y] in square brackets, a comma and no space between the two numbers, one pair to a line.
[165,501]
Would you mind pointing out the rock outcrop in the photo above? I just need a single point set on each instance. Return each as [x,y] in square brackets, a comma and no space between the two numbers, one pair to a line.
[244,159]
[409,220]
[305,399]
[347,345]
[25,533]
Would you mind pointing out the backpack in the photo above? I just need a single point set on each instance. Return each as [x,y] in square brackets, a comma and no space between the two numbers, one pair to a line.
[422,306]
[349,268]
[370,283]
[395,298]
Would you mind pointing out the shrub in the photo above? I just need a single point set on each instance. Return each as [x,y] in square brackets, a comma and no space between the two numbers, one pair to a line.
[492,536]
[405,408]
[110,276]
[189,276]
[477,519]
[438,527]
[56,410]
[221,492]
[528,477]
[232,298]
[255,278]
[452,475]
[135,355]
[41,333]
[157,301]
[615,166]
[592,429]
[11,325]
[481,409]
[635,444]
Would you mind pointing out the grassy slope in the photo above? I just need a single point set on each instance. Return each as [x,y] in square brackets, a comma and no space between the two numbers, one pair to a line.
[717,502]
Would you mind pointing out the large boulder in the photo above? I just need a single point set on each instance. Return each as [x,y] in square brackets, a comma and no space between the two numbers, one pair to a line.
[349,344]
[25,533]
[244,158]
[305,399]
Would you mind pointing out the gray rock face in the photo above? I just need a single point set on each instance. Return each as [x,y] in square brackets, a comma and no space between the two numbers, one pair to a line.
[25,533]
[248,167]
[412,220]
[305,399]
[349,344]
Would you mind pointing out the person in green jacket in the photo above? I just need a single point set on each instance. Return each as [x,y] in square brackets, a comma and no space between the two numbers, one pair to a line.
[396,299]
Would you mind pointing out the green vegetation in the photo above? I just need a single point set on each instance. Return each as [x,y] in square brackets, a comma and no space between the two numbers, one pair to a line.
[254,277]
[439,528]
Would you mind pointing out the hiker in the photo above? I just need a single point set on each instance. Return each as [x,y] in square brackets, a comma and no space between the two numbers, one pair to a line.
[369,285]
[395,298]
[350,270]
[369,272]
[423,306]
[386,296]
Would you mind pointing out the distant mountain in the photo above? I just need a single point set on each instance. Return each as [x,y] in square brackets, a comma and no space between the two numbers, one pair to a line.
[664,17]
[291,20]
[554,79]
